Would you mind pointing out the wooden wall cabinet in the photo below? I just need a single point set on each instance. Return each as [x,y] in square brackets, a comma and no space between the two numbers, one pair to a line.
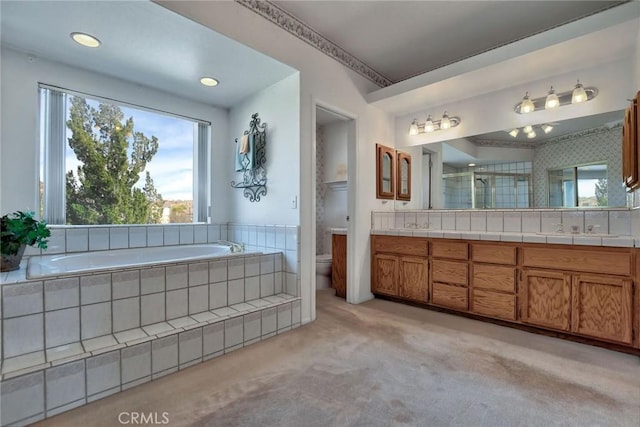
[630,145]
[403,178]
[339,264]
[385,172]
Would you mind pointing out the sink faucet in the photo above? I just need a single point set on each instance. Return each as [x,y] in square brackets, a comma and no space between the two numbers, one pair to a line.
[235,247]
[559,228]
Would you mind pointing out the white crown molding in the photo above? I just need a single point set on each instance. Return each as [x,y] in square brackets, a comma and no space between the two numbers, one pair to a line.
[294,26]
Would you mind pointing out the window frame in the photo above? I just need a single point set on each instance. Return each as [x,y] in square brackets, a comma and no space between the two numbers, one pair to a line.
[53,144]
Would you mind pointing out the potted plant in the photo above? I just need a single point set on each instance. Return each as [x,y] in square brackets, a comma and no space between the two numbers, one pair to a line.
[18,230]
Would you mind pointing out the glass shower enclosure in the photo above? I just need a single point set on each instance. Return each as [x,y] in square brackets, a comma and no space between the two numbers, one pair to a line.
[487,190]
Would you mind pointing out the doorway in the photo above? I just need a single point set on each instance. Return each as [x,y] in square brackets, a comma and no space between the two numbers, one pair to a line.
[334,134]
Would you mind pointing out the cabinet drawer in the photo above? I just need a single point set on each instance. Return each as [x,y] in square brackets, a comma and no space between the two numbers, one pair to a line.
[593,261]
[494,304]
[450,272]
[400,245]
[494,254]
[450,296]
[494,277]
[453,250]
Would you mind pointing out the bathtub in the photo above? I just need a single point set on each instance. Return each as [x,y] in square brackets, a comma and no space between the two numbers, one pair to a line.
[63,264]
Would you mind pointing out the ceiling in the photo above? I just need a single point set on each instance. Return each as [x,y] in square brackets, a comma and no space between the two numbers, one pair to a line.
[401,39]
[142,42]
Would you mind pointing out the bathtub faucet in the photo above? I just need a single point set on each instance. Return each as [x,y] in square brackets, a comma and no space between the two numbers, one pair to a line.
[235,247]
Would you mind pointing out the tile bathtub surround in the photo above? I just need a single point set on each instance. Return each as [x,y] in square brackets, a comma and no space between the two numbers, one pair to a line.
[91,306]
[51,390]
[22,299]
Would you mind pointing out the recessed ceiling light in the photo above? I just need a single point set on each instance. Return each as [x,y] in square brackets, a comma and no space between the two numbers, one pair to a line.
[471,165]
[86,40]
[209,81]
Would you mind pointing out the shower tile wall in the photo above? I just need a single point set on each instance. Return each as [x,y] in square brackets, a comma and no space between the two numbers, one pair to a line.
[457,191]
[601,144]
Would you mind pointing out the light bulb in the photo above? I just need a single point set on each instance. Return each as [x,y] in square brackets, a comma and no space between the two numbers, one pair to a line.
[413,129]
[531,134]
[527,129]
[445,123]
[547,128]
[86,40]
[552,100]
[526,106]
[514,132]
[428,125]
[579,94]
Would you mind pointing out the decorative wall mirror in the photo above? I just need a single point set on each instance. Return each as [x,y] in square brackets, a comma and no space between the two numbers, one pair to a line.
[385,172]
[403,179]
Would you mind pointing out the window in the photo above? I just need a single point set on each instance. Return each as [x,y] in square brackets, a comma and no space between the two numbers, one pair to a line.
[582,185]
[105,162]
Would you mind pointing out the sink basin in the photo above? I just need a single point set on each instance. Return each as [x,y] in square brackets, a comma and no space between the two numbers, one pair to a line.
[557,233]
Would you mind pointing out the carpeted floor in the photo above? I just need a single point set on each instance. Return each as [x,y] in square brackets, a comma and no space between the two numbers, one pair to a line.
[383,364]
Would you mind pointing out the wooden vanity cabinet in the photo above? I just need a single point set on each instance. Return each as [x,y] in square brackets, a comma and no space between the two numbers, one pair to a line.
[602,307]
[339,264]
[493,280]
[586,291]
[546,299]
[400,267]
[450,274]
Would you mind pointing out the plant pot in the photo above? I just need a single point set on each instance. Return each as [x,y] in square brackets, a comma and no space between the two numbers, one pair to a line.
[12,262]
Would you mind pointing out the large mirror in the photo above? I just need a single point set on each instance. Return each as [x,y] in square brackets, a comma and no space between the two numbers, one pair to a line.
[571,163]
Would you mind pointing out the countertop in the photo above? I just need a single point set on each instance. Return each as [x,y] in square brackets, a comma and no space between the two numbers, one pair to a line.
[551,238]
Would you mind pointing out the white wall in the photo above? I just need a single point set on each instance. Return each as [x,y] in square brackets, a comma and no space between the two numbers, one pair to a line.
[19,146]
[279,107]
[494,111]
[335,151]
[325,81]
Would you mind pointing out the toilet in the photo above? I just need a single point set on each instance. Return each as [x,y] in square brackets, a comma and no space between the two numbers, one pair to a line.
[323,271]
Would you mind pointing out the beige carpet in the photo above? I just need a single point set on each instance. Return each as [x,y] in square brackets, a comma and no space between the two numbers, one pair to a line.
[382,364]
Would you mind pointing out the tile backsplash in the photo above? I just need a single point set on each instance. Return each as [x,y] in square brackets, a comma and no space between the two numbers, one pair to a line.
[622,222]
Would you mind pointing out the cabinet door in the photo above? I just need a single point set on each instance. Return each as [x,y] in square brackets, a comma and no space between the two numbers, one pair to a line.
[413,278]
[601,307]
[339,264]
[385,274]
[547,299]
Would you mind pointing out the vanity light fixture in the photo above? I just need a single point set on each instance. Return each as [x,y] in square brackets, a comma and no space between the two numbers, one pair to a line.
[554,100]
[430,125]
[530,130]
[527,106]
[579,94]
[209,81]
[84,39]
